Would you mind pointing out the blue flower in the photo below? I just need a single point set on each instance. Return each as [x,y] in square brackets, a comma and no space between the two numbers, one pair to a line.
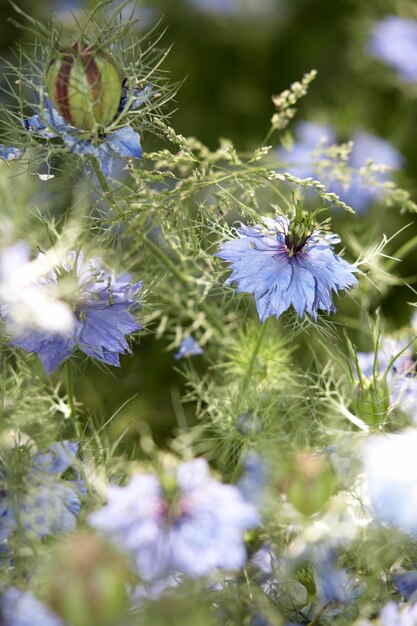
[311,139]
[186,523]
[366,147]
[188,347]
[38,500]
[391,615]
[21,608]
[9,153]
[253,481]
[394,40]
[283,266]
[101,307]
[406,583]
[391,477]
[123,142]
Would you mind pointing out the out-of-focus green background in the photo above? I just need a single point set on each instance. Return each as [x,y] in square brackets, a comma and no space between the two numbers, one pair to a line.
[231,56]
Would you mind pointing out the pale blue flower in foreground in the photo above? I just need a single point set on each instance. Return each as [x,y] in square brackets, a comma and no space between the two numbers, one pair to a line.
[390,463]
[21,608]
[285,267]
[41,502]
[188,347]
[101,308]
[394,40]
[187,522]
[393,615]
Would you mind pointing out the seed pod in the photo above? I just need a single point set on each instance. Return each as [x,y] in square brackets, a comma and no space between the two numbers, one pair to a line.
[85,86]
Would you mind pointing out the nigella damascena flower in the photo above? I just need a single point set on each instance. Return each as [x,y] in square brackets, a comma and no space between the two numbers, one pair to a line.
[35,498]
[393,615]
[102,316]
[188,347]
[109,145]
[312,140]
[21,608]
[284,264]
[188,523]
[394,40]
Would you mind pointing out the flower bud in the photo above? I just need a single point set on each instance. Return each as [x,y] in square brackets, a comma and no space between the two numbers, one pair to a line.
[309,482]
[85,86]
[85,583]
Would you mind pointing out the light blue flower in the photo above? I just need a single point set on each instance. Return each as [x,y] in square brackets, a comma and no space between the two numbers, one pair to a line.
[21,608]
[123,142]
[253,481]
[284,264]
[406,583]
[366,147]
[40,501]
[101,307]
[394,40]
[390,463]
[9,153]
[255,9]
[311,139]
[187,522]
[392,615]
[188,347]
[333,584]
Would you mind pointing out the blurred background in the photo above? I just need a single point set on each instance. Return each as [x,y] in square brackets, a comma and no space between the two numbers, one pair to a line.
[230,57]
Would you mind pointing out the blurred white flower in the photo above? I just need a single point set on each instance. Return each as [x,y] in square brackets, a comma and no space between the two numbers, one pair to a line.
[28,305]
[391,478]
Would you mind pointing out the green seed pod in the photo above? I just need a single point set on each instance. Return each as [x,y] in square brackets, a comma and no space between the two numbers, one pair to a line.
[85,86]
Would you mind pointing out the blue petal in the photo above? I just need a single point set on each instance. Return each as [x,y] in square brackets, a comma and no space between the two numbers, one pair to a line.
[125,142]
[188,347]
[10,153]
[59,457]
[406,583]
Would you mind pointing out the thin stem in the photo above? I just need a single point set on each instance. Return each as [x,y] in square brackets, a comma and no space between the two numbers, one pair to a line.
[70,389]
[317,617]
[253,357]
[402,252]
[157,251]
[183,278]
[104,184]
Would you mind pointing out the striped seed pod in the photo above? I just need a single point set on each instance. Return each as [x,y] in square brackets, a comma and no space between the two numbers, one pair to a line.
[85,86]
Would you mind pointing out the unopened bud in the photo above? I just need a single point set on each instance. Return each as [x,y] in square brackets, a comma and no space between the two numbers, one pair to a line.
[84,84]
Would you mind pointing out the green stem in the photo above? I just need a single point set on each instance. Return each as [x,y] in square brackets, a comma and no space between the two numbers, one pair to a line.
[317,617]
[70,389]
[402,252]
[183,278]
[253,357]
[104,184]
[157,251]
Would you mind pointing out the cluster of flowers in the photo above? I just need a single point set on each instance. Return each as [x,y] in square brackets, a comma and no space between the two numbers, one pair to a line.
[183,522]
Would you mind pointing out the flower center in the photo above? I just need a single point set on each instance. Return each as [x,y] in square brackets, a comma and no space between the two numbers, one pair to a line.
[296,238]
